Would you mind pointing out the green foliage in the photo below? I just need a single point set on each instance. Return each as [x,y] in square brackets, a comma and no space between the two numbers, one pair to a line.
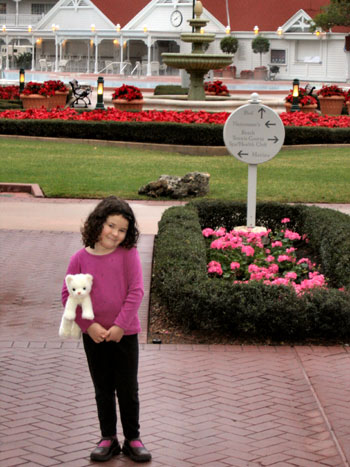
[260,45]
[170,90]
[252,310]
[336,13]
[159,132]
[229,44]
[24,60]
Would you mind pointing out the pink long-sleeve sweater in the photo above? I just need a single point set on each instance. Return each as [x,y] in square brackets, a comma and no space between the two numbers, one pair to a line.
[117,288]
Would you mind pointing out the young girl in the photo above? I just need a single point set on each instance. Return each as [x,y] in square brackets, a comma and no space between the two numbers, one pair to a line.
[110,339]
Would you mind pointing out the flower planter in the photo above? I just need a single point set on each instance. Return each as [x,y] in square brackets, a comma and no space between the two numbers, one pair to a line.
[58,100]
[125,106]
[209,93]
[303,108]
[331,105]
[34,101]
[260,74]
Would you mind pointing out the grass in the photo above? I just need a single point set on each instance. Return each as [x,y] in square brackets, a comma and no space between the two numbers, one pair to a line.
[85,171]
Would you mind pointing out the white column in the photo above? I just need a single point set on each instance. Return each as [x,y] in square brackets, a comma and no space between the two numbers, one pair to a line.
[96,55]
[33,53]
[121,52]
[149,55]
[56,53]
[88,58]
[7,40]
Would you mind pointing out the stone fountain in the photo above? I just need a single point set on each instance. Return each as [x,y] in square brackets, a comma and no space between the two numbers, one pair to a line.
[197,63]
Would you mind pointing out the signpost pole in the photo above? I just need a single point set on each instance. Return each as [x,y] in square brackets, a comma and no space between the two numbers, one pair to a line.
[251,204]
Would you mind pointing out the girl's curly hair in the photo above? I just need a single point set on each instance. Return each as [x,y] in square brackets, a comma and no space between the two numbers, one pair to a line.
[110,206]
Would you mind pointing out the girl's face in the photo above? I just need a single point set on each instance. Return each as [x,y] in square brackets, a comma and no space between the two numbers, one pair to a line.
[113,233]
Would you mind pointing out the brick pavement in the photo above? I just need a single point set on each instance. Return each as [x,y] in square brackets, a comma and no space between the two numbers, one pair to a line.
[200,405]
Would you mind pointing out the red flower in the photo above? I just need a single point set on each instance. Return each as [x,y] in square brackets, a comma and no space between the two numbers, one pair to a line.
[303,99]
[127,92]
[216,86]
[329,91]
[9,92]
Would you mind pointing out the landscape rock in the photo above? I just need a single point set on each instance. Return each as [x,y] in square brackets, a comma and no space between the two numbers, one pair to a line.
[191,184]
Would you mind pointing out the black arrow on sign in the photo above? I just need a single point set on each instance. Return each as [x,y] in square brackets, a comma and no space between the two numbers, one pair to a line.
[268,124]
[242,154]
[274,139]
[261,111]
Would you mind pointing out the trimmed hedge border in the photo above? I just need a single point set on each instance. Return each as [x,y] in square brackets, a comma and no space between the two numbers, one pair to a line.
[159,132]
[252,311]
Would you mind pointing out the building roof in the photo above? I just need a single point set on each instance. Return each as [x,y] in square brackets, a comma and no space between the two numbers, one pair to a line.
[267,14]
[244,14]
[120,11]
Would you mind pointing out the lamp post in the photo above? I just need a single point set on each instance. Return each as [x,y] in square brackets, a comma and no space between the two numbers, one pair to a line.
[295,102]
[100,86]
[21,79]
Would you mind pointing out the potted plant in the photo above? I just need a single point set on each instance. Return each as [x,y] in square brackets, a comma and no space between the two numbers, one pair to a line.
[35,95]
[215,88]
[247,74]
[331,99]
[306,102]
[260,45]
[229,45]
[59,98]
[127,98]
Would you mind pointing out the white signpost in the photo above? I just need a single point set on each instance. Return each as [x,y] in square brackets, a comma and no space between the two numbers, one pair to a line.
[253,134]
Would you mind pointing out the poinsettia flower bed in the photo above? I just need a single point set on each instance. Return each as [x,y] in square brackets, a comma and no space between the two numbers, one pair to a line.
[9,92]
[314,119]
[186,116]
[111,114]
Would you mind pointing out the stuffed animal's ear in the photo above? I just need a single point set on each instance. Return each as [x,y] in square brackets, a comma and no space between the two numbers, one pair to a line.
[69,279]
[89,278]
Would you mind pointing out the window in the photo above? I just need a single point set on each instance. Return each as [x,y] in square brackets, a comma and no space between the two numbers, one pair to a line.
[278,56]
[41,8]
[2,8]
[308,51]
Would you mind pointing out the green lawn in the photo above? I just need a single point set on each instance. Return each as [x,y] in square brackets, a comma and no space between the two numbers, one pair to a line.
[81,170]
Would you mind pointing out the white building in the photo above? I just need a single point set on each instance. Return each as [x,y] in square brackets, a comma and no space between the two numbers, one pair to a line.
[129,36]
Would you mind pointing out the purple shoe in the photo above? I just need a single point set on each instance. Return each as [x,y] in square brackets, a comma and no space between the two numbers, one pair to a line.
[105,450]
[136,451]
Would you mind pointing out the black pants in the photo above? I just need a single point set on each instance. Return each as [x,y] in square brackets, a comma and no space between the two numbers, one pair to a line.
[113,367]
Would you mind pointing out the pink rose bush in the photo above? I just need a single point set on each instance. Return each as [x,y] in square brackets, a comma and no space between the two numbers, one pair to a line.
[243,255]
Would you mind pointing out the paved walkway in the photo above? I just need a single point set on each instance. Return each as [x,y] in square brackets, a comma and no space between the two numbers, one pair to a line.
[200,405]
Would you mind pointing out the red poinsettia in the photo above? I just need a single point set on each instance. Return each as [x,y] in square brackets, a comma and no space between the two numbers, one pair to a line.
[330,91]
[9,92]
[303,99]
[127,92]
[55,85]
[216,87]
[37,88]
[186,116]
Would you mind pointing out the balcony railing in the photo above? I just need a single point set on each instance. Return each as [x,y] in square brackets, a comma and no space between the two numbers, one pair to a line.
[21,20]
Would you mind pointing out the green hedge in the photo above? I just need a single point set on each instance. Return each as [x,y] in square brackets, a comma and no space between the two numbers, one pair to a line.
[159,132]
[253,310]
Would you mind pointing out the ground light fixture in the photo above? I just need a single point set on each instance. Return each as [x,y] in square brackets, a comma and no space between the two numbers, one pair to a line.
[295,101]
[21,79]
[100,86]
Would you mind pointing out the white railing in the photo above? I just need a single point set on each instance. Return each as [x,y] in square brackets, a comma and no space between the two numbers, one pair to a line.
[20,20]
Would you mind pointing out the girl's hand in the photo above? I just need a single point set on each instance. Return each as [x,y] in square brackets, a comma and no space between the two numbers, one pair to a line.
[115,333]
[97,333]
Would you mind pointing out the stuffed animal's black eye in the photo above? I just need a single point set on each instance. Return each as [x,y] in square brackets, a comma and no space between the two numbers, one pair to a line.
[84,288]
[73,289]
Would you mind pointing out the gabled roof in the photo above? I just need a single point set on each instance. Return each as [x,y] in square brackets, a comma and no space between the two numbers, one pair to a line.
[120,11]
[267,14]
[243,14]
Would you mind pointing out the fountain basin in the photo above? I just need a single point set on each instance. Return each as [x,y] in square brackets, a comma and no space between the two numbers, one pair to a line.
[197,62]
[197,38]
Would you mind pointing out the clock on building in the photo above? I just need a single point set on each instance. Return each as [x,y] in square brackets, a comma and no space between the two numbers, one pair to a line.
[176,18]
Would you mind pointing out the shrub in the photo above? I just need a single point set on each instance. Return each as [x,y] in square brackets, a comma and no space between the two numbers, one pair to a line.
[229,44]
[252,310]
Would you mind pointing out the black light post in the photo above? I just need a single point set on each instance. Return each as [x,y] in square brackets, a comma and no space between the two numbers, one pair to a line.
[100,86]
[21,79]
[295,102]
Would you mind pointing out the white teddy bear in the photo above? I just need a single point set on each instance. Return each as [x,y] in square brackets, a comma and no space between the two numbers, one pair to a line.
[79,288]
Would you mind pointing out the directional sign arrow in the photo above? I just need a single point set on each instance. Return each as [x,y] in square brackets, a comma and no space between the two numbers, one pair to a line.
[261,111]
[268,124]
[274,139]
[242,154]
